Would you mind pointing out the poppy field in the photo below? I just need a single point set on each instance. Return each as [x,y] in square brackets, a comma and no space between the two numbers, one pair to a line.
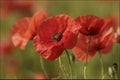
[59,39]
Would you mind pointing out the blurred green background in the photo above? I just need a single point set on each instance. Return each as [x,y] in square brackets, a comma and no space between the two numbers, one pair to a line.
[29,60]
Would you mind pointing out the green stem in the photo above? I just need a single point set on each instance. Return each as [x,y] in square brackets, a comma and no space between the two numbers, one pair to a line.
[42,66]
[118,51]
[70,64]
[106,74]
[85,66]
[61,67]
[101,64]
[115,76]
[85,75]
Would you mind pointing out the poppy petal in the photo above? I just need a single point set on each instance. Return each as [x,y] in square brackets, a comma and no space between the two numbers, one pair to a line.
[69,40]
[19,41]
[81,48]
[22,35]
[54,52]
[90,25]
[106,41]
[108,22]
[39,17]
[80,54]
[49,52]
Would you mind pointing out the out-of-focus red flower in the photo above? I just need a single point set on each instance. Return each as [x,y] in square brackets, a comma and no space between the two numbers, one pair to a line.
[25,29]
[6,47]
[40,76]
[117,39]
[54,35]
[90,25]
[102,43]
[9,6]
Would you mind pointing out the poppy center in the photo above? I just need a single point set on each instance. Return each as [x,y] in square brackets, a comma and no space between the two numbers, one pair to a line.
[57,36]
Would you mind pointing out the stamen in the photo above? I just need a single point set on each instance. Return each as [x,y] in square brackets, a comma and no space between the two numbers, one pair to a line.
[57,36]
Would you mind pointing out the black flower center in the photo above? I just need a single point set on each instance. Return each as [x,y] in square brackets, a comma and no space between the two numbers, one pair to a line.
[57,36]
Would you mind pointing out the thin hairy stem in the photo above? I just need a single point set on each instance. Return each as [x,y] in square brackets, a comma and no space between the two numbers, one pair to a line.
[62,68]
[70,64]
[42,66]
[101,64]
[85,66]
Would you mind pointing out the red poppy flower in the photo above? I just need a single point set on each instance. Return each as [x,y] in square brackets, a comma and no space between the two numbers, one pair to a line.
[117,39]
[6,47]
[24,29]
[54,35]
[9,6]
[90,25]
[101,43]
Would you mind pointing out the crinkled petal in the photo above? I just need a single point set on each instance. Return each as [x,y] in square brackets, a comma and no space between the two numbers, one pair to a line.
[19,41]
[70,33]
[54,52]
[22,32]
[39,46]
[90,25]
[80,54]
[107,48]
[49,52]
[47,29]
[39,17]
[108,22]
[69,40]
[25,29]
[107,41]
[81,48]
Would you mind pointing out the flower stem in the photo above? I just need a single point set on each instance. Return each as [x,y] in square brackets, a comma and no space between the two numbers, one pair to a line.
[118,51]
[101,64]
[61,67]
[85,66]
[42,66]
[115,74]
[70,64]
